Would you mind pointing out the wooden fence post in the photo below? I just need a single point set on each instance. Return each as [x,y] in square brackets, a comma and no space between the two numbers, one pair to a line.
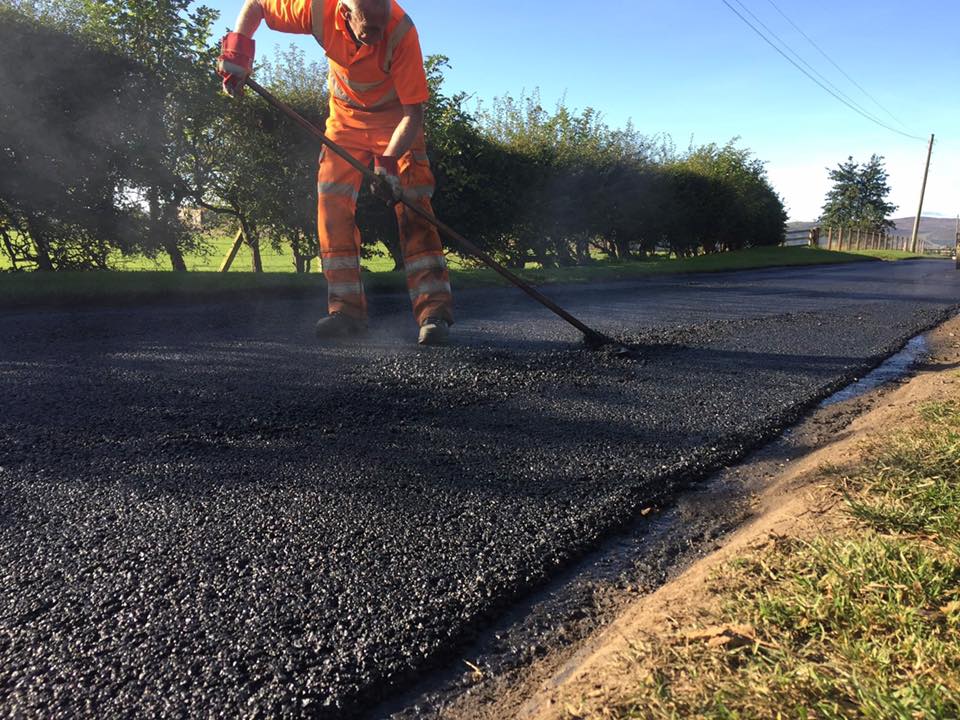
[232,252]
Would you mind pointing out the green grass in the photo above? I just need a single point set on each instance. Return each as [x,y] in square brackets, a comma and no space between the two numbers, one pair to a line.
[914,484]
[861,623]
[216,244]
[887,254]
[143,284]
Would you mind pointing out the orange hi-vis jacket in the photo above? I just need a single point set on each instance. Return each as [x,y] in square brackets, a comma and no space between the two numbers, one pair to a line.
[368,85]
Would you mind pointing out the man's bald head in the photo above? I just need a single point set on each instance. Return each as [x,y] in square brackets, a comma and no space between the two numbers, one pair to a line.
[367,19]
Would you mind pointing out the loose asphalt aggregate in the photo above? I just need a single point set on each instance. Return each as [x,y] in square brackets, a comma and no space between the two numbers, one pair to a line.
[204,512]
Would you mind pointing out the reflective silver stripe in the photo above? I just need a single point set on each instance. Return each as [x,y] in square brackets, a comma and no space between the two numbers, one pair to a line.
[430,262]
[421,156]
[388,97]
[351,262]
[341,289]
[402,28]
[357,86]
[419,191]
[316,13]
[335,188]
[340,94]
[429,288]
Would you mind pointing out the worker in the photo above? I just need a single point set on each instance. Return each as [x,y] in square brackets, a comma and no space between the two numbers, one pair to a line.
[378,88]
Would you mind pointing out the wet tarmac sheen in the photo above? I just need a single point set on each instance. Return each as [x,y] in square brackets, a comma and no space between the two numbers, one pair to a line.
[202,512]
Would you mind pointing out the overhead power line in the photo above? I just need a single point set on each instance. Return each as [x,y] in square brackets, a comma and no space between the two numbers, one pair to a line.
[832,62]
[799,67]
[796,55]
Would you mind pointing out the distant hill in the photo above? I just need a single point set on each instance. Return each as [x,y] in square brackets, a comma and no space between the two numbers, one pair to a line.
[935,230]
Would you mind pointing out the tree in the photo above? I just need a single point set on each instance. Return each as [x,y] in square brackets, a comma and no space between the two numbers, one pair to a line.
[171,40]
[741,207]
[285,203]
[558,160]
[858,198]
[479,182]
[68,145]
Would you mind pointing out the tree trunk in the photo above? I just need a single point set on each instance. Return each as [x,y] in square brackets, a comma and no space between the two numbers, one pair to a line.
[541,254]
[44,262]
[8,244]
[176,257]
[393,247]
[564,255]
[40,244]
[170,226]
[582,247]
[301,262]
[253,243]
[623,249]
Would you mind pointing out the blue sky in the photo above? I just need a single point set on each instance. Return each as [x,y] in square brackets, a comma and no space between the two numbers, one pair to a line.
[693,69]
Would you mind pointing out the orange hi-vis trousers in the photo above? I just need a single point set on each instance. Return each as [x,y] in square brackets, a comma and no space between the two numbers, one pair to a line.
[338,185]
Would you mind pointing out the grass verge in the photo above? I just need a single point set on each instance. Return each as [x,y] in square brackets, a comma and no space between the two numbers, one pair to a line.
[27,290]
[863,622]
[890,254]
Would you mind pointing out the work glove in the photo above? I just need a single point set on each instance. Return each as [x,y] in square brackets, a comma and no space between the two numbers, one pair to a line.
[388,189]
[235,62]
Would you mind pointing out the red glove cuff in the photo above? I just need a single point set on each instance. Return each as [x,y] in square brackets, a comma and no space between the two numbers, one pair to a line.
[389,164]
[240,44]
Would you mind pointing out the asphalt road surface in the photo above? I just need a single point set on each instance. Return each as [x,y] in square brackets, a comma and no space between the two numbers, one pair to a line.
[205,513]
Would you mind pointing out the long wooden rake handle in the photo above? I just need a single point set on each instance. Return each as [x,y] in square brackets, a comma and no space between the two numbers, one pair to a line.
[591,336]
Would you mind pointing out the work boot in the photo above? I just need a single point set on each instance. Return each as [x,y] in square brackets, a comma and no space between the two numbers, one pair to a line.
[434,331]
[338,325]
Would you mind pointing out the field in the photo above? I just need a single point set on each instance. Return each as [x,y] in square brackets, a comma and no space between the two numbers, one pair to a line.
[217,246]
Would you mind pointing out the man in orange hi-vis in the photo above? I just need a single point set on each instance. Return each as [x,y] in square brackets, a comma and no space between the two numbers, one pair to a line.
[378,88]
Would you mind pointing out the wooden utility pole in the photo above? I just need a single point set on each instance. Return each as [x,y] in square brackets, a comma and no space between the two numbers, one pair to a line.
[956,248]
[923,189]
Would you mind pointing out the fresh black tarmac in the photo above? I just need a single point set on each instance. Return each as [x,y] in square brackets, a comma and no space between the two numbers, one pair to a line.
[203,512]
